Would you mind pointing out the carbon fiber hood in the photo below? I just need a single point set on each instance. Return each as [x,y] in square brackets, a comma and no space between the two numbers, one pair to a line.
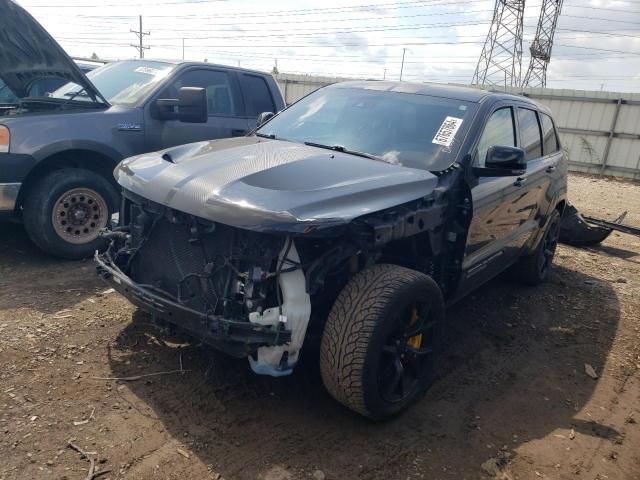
[270,185]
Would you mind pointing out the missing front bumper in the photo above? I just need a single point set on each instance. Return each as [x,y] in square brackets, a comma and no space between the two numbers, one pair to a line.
[236,338]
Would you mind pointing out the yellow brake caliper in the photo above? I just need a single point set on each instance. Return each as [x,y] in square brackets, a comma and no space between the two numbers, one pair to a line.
[416,340]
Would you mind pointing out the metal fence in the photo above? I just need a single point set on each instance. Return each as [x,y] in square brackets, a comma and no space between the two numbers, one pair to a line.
[600,130]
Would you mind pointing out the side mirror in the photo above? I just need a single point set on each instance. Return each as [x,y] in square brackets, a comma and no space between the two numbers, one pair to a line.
[503,161]
[192,105]
[264,117]
[189,107]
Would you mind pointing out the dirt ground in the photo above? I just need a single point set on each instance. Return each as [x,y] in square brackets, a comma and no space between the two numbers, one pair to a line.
[512,397]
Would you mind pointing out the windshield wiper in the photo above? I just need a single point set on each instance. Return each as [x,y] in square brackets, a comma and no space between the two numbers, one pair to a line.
[272,136]
[79,93]
[342,149]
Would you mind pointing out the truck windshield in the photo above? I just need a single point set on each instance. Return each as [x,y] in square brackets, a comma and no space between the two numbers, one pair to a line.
[121,83]
[414,130]
[6,95]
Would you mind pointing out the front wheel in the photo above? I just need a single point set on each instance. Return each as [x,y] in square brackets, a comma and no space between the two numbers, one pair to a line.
[381,339]
[65,210]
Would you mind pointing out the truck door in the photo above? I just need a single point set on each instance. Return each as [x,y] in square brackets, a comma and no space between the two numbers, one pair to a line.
[495,235]
[224,104]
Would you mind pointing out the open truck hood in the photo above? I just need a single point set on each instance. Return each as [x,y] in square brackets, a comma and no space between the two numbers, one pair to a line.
[270,185]
[28,53]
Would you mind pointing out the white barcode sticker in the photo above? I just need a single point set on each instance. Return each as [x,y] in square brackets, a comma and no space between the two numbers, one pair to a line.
[147,70]
[447,131]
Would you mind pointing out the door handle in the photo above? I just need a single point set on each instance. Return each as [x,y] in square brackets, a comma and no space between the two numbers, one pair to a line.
[551,169]
[519,181]
[238,133]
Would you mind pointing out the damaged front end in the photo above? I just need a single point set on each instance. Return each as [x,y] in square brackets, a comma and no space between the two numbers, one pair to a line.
[242,292]
[259,294]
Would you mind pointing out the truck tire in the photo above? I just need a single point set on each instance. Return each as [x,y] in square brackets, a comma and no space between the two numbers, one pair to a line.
[64,211]
[534,269]
[379,345]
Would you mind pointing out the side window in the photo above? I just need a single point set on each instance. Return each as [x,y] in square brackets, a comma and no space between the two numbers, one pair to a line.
[257,96]
[220,100]
[499,130]
[530,138]
[549,138]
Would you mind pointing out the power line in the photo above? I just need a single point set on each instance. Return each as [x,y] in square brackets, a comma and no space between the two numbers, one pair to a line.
[599,49]
[601,8]
[324,32]
[357,19]
[93,5]
[600,19]
[288,13]
[109,35]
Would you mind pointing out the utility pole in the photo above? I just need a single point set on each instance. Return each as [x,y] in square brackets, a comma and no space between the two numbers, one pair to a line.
[141,48]
[501,57]
[542,44]
[182,48]
[384,75]
[402,66]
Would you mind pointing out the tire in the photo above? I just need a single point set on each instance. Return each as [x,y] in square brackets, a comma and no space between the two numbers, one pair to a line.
[534,269]
[365,345]
[64,211]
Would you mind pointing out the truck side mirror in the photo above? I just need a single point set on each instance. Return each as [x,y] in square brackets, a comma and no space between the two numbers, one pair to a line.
[190,106]
[503,161]
[264,117]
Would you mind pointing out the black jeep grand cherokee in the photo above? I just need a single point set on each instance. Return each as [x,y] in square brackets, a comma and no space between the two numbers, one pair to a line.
[358,213]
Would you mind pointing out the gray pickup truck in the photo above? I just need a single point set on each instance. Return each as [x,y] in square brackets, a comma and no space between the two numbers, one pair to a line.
[58,152]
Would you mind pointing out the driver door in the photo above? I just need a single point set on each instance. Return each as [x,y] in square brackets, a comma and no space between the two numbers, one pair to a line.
[495,234]
[224,105]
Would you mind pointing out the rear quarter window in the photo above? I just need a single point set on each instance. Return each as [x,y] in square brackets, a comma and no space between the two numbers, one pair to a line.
[549,137]
[257,95]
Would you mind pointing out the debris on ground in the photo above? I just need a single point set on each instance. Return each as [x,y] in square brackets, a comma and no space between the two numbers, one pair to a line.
[589,370]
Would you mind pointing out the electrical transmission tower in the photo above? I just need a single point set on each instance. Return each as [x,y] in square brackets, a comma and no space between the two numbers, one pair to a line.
[140,47]
[542,44]
[501,58]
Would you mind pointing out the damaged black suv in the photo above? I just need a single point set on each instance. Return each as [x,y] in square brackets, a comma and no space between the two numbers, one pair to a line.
[354,216]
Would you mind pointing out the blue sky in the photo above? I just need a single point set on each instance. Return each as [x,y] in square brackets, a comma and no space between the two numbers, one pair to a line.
[597,43]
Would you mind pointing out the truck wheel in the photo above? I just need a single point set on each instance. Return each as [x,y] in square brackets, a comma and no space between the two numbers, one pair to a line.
[534,269]
[65,210]
[380,341]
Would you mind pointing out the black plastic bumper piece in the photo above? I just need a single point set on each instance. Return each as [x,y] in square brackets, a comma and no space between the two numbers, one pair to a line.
[233,337]
[583,231]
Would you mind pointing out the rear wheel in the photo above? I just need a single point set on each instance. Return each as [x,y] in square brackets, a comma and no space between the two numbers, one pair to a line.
[381,339]
[65,210]
[534,269]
